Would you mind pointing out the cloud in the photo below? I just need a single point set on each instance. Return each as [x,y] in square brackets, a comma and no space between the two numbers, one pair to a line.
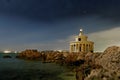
[106,38]
[101,39]
[42,9]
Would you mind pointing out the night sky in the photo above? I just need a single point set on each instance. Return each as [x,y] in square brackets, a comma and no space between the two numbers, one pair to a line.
[52,24]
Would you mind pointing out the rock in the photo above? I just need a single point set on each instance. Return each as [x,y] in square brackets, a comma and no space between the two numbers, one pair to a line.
[96,74]
[80,73]
[7,56]
[29,54]
[101,74]
[51,56]
[101,66]
[110,59]
[74,59]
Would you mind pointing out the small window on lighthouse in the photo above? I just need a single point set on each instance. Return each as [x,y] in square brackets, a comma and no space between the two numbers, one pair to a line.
[79,39]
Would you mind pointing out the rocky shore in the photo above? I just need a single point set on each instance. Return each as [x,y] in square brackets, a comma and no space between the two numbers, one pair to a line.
[88,66]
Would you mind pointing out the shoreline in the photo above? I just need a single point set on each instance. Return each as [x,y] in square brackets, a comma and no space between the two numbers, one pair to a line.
[86,66]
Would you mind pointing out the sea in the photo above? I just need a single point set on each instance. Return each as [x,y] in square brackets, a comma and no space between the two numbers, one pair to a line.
[19,69]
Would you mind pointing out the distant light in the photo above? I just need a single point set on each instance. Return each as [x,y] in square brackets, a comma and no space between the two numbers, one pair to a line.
[6,51]
[81,29]
[15,52]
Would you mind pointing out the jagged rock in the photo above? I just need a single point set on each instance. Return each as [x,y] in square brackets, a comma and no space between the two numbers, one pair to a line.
[29,54]
[110,59]
[102,74]
[102,66]
[80,75]
[74,59]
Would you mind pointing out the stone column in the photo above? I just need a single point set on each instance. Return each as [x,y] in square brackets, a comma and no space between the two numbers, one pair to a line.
[82,46]
[88,47]
[78,47]
[85,47]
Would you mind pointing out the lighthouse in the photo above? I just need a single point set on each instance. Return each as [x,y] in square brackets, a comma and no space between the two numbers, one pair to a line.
[81,44]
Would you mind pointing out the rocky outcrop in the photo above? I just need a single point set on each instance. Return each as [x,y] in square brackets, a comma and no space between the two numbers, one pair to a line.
[84,70]
[63,58]
[74,59]
[109,61]
[101,74]
[29,54]
[7,56]
[52,56]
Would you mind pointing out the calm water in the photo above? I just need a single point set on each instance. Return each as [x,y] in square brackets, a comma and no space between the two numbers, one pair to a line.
[17,69]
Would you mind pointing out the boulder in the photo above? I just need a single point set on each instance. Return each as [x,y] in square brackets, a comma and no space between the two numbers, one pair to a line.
[29,54]
[110,59]
[101,66]
[102,74]
[7,56]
